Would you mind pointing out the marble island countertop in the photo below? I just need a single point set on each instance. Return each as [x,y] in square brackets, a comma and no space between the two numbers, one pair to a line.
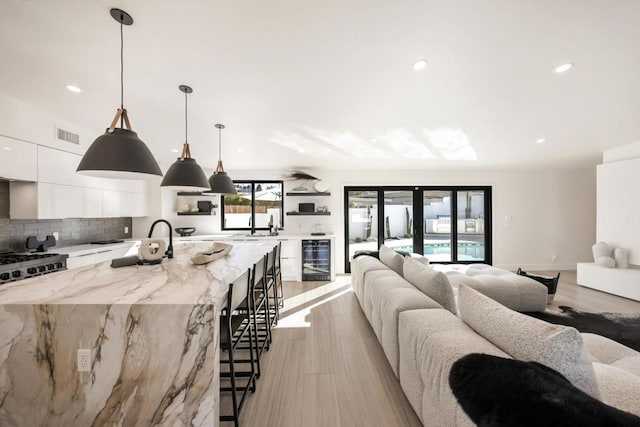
[174,281]
[252,237]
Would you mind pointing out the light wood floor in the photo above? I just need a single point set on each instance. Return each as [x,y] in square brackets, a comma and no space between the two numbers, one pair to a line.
[326,367]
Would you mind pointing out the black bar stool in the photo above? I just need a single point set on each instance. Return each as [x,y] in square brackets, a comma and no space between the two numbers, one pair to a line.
[272,289]
[236,325]
[278,276]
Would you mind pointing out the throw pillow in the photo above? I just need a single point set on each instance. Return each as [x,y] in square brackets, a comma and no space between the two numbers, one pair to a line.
[494,391]
[391,259]
[434,284]
[525,338]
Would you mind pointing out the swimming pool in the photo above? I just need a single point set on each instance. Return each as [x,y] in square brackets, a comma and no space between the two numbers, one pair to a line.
[467,251]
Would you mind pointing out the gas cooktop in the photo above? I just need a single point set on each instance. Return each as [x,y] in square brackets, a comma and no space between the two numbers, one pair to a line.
[22,266]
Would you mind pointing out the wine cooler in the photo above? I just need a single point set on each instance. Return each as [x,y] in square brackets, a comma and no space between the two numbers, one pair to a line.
[316,259]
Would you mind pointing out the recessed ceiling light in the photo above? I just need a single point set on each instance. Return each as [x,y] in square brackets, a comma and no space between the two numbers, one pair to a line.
[541,141]
[420,64]
[563,68]
[374,140]
[7,148]
[175,150]
[240,150]
[74,89]
[301,150]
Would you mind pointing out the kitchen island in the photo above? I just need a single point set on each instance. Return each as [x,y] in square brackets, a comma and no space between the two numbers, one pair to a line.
[153,335]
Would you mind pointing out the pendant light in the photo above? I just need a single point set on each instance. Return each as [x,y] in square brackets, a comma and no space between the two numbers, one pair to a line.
[185,173]
[220,182]
[119,153]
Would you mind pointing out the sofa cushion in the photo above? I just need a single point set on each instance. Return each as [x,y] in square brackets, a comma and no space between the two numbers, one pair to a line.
[391,259]
[433,283]
[525,338]
[518,293]
[386,313]
[476,269]
[618,387]
[610,352]
[497,391]
[375,283]
[359,268]
[430,341]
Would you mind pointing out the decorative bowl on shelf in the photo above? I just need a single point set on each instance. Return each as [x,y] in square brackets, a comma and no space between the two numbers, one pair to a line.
[321,187]
[185,231]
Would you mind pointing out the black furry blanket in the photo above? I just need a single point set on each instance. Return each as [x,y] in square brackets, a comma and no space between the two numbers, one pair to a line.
[621,327]
[494,391]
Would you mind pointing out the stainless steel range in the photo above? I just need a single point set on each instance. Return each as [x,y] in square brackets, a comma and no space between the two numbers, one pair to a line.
[22,266]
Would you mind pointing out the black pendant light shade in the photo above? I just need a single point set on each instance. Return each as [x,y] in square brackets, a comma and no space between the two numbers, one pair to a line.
[220,182]
[185,173]
[119,153]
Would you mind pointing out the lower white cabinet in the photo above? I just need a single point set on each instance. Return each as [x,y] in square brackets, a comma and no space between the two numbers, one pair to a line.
[290,259]
[100,255]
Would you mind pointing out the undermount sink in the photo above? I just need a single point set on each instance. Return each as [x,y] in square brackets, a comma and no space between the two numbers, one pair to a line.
[253,235]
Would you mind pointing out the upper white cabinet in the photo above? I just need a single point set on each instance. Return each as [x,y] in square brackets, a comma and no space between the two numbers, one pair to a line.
[60,192]
[18,159]
[59,167]
[67,201]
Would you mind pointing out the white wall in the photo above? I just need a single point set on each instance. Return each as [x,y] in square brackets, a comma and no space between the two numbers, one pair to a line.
[542,219]
[21,121]
[618,222]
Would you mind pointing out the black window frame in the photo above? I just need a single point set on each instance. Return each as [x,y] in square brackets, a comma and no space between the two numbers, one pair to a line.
[253,183]
[418,209]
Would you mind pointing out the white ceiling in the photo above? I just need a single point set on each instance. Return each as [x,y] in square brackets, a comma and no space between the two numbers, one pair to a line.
[334,78]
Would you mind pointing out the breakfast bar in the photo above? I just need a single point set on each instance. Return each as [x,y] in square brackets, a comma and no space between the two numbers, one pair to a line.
[152,333]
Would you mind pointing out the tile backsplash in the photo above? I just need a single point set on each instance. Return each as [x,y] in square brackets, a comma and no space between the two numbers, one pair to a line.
[72,231]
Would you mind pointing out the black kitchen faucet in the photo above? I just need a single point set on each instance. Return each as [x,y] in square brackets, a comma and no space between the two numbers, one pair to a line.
[169,252]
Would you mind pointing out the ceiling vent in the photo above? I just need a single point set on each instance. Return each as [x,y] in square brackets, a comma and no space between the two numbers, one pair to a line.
[65,135]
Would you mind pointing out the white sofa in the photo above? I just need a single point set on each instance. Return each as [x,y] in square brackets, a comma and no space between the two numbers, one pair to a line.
[422,340]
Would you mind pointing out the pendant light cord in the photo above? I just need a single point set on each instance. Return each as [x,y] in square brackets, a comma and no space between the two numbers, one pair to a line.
[186,122]
[121,71]
[219,144]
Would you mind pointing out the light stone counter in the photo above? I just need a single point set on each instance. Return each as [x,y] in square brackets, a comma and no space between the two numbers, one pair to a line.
[153,332]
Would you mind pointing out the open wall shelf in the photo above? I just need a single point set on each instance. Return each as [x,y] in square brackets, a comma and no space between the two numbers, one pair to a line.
[194,213]
[307,194]
[308,213]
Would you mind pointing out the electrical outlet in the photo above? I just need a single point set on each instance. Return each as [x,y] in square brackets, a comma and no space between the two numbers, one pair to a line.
[56,235]
[84,360]
[126,230]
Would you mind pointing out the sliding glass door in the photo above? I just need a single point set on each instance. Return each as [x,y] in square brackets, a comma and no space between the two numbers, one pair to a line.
[471,225]
[446,224]
[398,219]
[362,221]
[436,217]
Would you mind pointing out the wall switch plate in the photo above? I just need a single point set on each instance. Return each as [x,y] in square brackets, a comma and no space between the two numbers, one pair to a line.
[84,360]
[126,230]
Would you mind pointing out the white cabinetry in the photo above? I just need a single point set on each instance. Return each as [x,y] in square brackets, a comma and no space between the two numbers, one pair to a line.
[67,201]
[60,192]
[99,254]
[123,197]
[290,259]
[18,160]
